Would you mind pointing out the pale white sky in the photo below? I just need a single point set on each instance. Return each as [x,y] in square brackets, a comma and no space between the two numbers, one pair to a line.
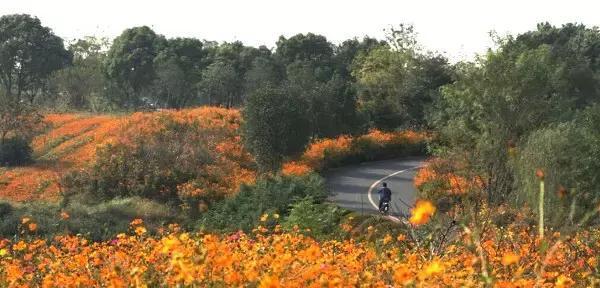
[458,27]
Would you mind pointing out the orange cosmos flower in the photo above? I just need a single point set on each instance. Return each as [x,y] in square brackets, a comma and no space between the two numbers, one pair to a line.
[140,230]
[136,222]
[32,227]
[270,282]
[510,258]
[539,173]
[422,212]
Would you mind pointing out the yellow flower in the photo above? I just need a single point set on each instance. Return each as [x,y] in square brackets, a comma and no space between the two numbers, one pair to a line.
[422,212]
[264,217]
[25,220]
[140,230]
[276,216]
[564,281]
[434,267]
[387,239]
[3,252]
[184,237]
[510,258]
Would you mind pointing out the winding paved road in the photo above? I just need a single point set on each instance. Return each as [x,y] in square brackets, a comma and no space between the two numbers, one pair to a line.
[355,187]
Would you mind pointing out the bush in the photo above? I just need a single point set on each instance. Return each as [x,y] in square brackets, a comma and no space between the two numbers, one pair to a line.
[321,219]
[375,145]
[271,195]
[568,155]
[275,126]
[15,151]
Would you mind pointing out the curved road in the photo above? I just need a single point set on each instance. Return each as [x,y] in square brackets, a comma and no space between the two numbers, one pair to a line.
[355,187]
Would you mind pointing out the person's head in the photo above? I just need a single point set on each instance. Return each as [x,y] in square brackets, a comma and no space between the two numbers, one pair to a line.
[384,184]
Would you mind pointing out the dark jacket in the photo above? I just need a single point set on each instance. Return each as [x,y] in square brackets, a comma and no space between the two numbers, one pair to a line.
[385,194]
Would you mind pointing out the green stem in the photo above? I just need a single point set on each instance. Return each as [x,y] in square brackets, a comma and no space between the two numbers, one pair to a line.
[541,211]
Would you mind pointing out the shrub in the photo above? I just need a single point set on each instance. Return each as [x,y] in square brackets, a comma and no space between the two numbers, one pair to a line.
[271,195]
[318,220]
[376,145]
[275,126]
[567,154]
[15,151]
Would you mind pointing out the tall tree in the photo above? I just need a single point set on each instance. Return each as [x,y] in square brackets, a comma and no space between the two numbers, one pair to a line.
[218,85]
[349,50]
[308,48]
[130,61]
[178,71]
[330,107]
[77,85]
[275,126]
[398,82]
[304,47]
[265,70]
[29,53]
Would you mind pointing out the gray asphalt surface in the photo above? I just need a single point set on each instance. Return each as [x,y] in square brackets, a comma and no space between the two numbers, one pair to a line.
[349,185]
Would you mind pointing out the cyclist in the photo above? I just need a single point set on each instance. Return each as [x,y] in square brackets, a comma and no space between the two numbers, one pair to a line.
[385,195]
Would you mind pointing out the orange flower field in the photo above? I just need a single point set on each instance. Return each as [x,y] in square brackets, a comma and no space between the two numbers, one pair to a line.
[413,254]
[71,142]
[271,258]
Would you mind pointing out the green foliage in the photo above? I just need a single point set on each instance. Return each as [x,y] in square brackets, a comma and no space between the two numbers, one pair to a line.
[29,53]
[219,85]
[265,71]
[15,151]
[272,195]
[331,105]
[306,48]
[398,83]
[567,153]
[526,85]
[275,126]
[80,85]
[178,70]
[97,222]
[349,50]
[130,61]
[318,220]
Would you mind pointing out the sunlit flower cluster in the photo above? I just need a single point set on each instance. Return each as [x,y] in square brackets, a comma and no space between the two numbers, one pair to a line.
[272,258]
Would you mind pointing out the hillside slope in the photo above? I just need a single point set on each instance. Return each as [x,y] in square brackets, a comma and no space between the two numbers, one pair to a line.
[71,141]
